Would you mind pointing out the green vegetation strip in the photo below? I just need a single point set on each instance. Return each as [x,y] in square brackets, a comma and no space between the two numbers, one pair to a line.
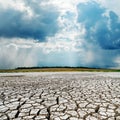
[60,70]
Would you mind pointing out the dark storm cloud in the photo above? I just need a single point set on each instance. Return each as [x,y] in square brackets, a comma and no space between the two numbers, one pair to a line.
[100,29]
[15,23]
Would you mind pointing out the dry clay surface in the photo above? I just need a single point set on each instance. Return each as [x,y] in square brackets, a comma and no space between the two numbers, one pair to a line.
[60,96]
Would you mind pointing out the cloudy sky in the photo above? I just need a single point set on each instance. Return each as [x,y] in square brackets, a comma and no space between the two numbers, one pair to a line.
[59,33]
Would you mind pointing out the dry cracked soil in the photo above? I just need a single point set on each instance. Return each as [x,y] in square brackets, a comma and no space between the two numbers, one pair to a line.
[60,96]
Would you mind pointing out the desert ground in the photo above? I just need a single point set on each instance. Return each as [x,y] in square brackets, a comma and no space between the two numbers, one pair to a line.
[60,96]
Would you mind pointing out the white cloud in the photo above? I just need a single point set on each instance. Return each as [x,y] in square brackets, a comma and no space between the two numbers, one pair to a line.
[24,52]
[16,53]
[19,6]
[117,61]
[70,31]
[111,5]
[64,5]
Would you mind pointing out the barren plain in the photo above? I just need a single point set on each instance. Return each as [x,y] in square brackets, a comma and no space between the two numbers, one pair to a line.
[60,96]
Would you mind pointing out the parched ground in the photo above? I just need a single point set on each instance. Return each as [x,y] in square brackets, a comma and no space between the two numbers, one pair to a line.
[60,96]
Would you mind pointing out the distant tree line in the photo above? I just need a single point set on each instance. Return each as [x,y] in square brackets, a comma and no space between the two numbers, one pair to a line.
[53,67]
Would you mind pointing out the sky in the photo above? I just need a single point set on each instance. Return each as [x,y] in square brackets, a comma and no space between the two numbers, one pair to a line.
[59,33]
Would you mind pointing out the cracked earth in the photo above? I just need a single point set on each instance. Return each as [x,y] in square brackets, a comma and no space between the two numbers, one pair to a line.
[60,96]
